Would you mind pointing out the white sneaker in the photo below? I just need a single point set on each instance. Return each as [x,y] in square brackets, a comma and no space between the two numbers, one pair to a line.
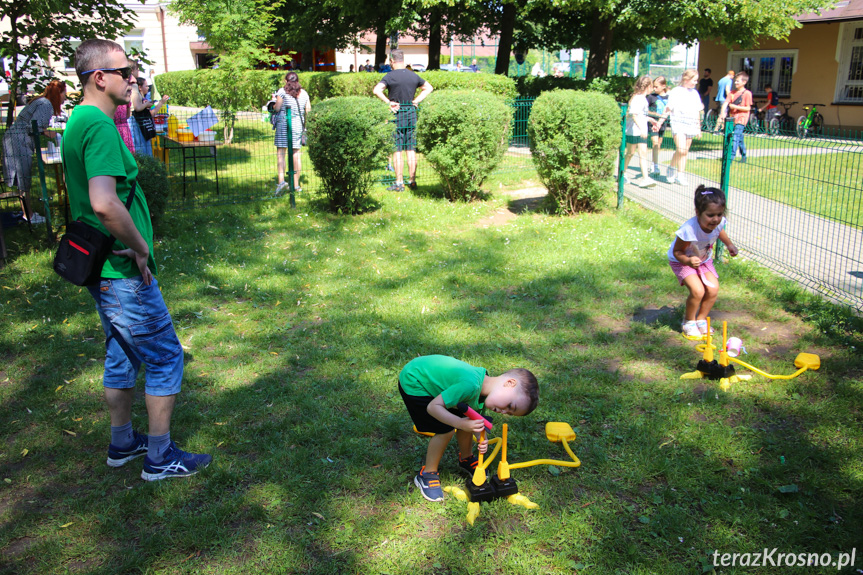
[702,327]
[690,329]
[670,175]
[643,182]
[280,189]
[654,170]
[35,218]
[681,180]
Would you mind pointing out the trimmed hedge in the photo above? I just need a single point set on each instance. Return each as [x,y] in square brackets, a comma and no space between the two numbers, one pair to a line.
[348,139]
[463,135]
[198,88]
[574,138]
[618,87]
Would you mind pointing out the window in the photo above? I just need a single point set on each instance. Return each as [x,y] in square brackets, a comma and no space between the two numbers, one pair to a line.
[69,62]
[766,68]
[849,84]
[134,40]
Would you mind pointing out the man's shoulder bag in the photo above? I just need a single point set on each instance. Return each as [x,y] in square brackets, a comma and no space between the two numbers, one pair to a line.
[83,251]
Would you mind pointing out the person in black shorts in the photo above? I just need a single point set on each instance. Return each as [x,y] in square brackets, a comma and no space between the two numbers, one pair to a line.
[401,86]
[657,118]
[705,84]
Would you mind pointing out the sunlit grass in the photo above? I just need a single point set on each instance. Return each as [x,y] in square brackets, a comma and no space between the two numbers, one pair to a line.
[295,325]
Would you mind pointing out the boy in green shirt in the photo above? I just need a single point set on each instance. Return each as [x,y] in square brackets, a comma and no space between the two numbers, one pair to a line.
[431,387]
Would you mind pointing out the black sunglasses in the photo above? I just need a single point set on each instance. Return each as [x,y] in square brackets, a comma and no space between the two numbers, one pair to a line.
[125,72]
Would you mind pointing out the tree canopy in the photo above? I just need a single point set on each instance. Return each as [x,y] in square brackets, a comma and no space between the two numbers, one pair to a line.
[44,29]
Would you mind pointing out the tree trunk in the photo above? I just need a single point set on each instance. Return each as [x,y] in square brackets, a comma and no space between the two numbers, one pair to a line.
[601,36]
[307,61]
[504,46]
[381,44]
[435,37]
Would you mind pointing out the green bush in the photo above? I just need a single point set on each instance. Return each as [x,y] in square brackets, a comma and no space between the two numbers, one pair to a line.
[348,139]
[153,179]
[362,83]
[199,88]
[618,87]
[574,138]
[463,135]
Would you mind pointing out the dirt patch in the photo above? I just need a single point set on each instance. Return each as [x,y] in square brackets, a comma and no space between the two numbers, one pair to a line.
[702,388]
[697,416]
[526,199]
[652,314]
[19,546]
[613,326]
[501,217]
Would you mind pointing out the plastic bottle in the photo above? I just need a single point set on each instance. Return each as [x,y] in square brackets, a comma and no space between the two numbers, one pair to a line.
[173,125]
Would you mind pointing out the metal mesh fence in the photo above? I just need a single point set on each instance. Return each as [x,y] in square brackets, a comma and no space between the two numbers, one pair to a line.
[794,204]
[209,173]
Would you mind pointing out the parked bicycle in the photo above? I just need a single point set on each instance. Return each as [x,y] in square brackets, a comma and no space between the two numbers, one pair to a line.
[785,120]
[710,117]
[761,122]
[811,123]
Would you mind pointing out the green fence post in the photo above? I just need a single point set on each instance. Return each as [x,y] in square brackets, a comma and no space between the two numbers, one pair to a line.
[45,201]
[620,167]
[725,178]
[293,198]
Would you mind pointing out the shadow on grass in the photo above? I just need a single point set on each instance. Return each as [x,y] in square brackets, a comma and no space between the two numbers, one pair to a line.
[294,392]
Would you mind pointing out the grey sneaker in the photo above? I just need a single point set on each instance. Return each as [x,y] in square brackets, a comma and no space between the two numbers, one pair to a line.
[429,484]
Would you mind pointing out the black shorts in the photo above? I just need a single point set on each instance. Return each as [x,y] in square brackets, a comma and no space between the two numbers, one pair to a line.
[417,409]
[406,128]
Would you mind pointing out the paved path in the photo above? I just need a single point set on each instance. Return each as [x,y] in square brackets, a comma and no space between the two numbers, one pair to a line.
[819,253]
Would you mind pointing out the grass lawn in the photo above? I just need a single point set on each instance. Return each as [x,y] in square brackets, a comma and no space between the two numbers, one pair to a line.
[295,324]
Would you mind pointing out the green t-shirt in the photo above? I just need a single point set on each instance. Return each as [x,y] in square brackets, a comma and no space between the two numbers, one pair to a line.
[92,146]
[434,375]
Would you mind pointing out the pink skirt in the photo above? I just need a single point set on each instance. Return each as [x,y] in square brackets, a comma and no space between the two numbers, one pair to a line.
[682,271]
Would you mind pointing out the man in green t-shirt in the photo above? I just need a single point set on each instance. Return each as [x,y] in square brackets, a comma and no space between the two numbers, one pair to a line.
[433,385]
[100,175]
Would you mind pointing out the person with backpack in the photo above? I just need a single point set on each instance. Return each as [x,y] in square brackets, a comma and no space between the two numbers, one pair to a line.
[291,98]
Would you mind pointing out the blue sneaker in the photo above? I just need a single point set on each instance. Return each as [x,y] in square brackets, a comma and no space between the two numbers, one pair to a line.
[119,457]
[429,484]
[177,463]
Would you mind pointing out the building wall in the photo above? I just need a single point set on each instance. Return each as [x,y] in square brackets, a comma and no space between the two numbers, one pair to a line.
[815,78]
[172,55]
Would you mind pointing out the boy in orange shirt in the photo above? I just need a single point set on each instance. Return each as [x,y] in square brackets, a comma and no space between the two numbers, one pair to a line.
[739,106]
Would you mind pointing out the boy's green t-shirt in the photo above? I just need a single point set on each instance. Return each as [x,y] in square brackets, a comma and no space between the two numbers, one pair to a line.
[453,379]
[92,146]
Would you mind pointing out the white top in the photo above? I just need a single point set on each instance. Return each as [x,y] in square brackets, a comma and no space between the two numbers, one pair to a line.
[636,116]
[685,105]
[700,242]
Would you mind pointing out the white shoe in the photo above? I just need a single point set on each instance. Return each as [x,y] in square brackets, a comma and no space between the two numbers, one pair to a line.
[643,182]
[681,180]
[654,170]
[280,189]
[670,175]
[690,329]
[35,218]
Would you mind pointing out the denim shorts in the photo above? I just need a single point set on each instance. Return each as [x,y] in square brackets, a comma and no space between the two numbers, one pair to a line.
[138,329]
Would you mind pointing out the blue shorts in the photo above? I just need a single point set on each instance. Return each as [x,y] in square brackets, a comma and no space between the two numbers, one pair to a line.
[138,329]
